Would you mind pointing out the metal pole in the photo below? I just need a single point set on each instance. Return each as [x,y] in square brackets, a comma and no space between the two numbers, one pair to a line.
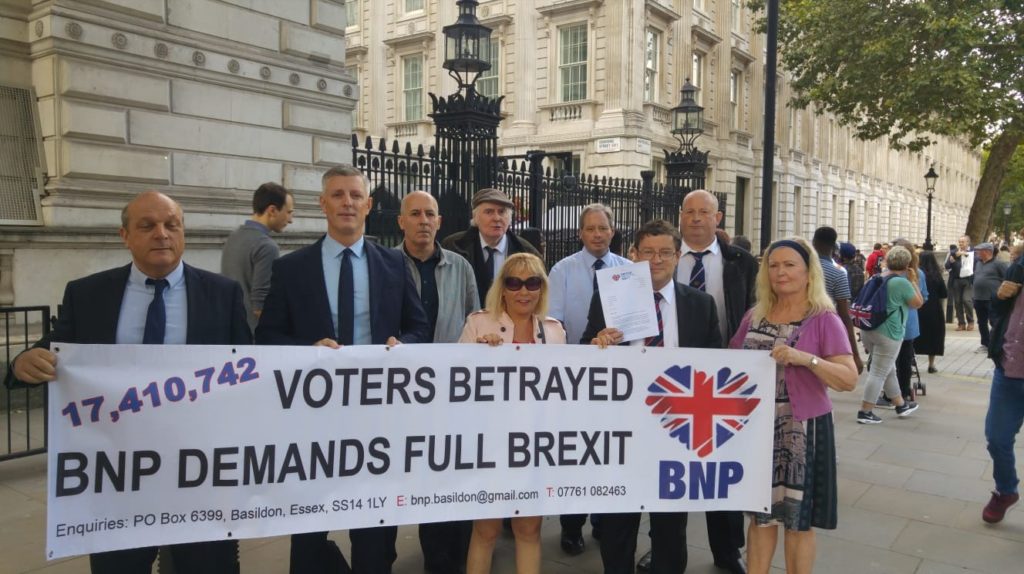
[768,167]
[928,233]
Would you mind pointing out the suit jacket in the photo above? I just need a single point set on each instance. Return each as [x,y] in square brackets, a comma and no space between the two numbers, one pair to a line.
[467,244]
[696,319]
[92,305]
[297,312]
[739,276]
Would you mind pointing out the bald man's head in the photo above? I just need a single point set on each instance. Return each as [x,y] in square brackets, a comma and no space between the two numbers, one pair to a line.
[698,218]
[419,221]
[153,230]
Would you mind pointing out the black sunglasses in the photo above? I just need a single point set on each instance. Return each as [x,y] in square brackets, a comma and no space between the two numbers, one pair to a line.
[532,284]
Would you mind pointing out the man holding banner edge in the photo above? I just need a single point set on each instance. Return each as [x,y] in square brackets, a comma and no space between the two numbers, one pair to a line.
[157,299]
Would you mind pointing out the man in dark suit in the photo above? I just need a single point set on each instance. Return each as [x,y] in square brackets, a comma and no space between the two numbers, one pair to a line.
[157,299]
[688,319]
[729,275]
[490,233]
[343,290]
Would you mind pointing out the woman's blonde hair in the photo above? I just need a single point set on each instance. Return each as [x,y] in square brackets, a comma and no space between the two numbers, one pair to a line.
[817,298]
[517,263]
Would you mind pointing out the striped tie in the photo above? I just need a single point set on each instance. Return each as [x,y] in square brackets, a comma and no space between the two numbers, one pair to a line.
[697,273]
[659,339]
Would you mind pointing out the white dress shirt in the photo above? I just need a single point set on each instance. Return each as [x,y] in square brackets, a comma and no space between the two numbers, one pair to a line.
[499,255]
[668,317]
[714,284]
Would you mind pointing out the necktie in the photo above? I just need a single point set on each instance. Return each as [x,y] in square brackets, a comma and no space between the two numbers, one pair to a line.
[599,264]
[490,264]
[697,273]
[346,300]
[659,339]
[156,316]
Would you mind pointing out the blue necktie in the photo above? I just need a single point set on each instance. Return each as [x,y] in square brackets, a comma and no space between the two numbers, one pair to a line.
[697,273]
[599,264]
[156,316]
[659,339]
[346,300]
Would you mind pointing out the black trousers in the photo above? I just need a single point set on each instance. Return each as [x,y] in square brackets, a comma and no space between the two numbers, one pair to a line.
[199,557]
[982,310]
[905,369]
[668,540]
[373,552]
[445,545]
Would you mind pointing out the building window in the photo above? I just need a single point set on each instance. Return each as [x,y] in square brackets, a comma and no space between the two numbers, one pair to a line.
[571,165]
[697,76]
[734,99]
[488,83]
[572,62]
[352,12]
[658,167]
[737,15]
[412,87]
[414,5]
[651,65]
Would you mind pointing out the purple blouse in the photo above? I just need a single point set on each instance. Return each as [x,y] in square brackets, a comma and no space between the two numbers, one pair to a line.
[822,335]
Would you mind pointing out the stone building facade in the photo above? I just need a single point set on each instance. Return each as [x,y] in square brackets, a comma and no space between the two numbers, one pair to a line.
[201,99]
[598,78]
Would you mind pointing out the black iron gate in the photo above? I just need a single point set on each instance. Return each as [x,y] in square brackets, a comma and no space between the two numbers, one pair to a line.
[23,415]
[547,198]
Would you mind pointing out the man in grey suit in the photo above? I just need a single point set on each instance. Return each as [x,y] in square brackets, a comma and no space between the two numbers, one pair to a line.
[249,252]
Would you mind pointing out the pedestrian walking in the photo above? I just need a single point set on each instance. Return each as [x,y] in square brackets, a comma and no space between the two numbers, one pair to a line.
[932,341]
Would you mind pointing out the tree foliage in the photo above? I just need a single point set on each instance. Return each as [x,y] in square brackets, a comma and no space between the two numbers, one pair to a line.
[913,69]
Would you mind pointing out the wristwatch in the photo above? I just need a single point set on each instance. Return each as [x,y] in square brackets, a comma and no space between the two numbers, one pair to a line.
[814,362]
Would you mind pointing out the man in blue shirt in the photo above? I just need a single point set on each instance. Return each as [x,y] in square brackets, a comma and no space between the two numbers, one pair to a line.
[573,281]
[343,290]
[157,299]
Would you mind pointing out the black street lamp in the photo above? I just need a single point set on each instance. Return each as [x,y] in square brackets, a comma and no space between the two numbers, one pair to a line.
[686,166]
[465,43]
[930,179]
[1007,209]
[465,122]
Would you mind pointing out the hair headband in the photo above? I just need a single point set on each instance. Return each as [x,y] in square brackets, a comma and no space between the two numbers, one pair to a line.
[794,246]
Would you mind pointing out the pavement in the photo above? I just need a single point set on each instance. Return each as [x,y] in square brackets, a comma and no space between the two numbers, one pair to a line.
[910,497]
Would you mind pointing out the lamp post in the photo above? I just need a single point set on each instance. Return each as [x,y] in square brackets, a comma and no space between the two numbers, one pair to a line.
[1007,209]
[465,122]
[930,179]
[686,166]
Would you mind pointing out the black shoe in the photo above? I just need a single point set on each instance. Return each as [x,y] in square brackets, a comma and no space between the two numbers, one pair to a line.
[572,543]
[732,565]
[644,564]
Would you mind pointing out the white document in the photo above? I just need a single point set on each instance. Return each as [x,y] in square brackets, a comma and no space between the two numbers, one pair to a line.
[967,264]
[628,300]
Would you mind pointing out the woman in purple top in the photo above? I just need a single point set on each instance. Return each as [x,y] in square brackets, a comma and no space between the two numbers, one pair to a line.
[794,318]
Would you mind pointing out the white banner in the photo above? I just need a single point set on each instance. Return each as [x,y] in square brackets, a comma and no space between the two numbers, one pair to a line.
[168,444]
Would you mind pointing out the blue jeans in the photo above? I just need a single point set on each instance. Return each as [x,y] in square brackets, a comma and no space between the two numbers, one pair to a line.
[1002,423]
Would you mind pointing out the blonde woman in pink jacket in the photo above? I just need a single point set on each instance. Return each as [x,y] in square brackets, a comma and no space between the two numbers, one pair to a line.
[514,313]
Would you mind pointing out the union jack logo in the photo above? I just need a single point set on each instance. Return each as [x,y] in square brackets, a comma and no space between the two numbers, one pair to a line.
[702,410]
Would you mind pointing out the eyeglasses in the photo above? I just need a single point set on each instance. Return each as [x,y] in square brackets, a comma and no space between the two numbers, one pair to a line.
[532,283]
[665,254]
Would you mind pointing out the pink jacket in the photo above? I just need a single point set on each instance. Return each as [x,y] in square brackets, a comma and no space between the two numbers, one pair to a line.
[482,322]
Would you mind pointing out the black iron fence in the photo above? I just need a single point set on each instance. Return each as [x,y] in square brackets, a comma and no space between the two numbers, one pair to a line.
[23,414]
[548,199]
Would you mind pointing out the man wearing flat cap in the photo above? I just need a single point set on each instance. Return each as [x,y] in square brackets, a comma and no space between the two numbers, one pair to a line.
[988,274]
[488,241]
